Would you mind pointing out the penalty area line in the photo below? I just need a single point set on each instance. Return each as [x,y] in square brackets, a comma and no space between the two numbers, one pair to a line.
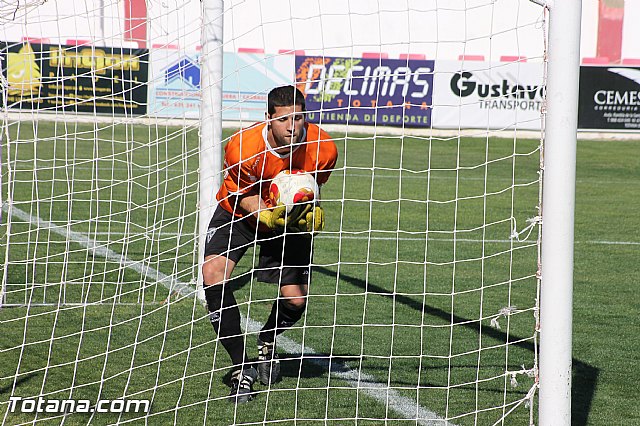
[406,407]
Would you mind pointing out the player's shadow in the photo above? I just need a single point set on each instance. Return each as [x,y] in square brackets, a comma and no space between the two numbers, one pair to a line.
[321,364]
[305,367]
[585,376]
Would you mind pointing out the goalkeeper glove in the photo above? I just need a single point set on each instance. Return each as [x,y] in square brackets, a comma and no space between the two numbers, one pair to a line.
[312,221]
[274,218]
[277,218]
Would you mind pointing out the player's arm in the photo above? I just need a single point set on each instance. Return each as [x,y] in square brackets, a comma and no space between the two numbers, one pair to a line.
[313,221]
[328,156]
[252,204]
[243,182]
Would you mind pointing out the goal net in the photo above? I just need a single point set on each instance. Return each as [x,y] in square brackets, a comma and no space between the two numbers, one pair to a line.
[423,303]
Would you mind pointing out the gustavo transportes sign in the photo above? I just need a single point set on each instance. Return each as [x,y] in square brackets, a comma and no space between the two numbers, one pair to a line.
[481,95]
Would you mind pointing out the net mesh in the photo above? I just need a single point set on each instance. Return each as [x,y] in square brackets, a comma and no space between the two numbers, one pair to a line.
[423,302]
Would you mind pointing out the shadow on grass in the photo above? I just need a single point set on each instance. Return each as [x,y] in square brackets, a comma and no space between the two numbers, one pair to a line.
[317,365]
[6,390]
[585,376]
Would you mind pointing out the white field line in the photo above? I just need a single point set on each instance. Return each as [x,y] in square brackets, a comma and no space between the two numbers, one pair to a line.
[379,173]
[611,243]
[100,250]
[345,236]
[471,240]
[406,407]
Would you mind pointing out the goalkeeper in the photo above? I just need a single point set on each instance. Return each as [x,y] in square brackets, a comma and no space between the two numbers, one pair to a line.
[244,217]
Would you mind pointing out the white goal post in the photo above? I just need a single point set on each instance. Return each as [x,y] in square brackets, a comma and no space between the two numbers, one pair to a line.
[441,291]
[556,299]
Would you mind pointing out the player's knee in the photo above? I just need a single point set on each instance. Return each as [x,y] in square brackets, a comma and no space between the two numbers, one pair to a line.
[216,269]
[210,274]
[295,303]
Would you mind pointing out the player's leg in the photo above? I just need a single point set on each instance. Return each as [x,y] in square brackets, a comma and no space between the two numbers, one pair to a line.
[222,306]
[291,272]
[226,243]
[286,311]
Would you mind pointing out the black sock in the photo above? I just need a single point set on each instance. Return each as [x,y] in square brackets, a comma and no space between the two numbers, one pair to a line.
[281,318]
[225,318]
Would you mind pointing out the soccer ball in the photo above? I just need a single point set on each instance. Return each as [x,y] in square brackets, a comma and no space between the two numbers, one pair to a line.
[293,188]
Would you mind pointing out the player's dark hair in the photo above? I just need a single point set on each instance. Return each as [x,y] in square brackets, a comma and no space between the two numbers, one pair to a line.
[284,96]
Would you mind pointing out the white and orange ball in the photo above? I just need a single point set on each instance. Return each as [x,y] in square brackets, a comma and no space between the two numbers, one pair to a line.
[293,188]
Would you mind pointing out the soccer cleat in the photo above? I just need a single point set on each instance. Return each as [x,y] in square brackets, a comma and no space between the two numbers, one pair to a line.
[242,385]
[268,363]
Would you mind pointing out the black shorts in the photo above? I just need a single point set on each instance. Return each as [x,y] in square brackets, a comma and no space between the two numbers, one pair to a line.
[284,258]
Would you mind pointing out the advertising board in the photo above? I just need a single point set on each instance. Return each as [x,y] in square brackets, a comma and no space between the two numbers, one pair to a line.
[174,84]
[609,98]
[87,79]
[485,95]
[386,92]
[248,78]
[176,90]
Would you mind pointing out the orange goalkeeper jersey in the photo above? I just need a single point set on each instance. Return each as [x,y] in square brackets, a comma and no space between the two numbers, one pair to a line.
[250,162]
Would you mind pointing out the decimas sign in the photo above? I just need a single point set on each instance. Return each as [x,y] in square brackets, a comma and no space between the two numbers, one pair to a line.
[388,92]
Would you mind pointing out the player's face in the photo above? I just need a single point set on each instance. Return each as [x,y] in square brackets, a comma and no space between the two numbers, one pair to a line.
[286,124]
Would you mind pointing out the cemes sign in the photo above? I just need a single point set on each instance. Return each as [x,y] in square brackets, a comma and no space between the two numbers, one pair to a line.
[609,98]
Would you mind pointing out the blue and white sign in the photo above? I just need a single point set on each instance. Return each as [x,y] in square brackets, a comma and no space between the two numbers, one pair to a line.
[248,78]
[185,70]
[175,89]
[175,84]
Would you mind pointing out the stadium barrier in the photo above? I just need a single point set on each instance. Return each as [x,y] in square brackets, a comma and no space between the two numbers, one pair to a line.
[411,92]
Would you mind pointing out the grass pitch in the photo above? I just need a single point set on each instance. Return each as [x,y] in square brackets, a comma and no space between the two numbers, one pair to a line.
[404,289]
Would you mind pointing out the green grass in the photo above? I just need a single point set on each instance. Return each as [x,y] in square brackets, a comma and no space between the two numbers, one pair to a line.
[393,274]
